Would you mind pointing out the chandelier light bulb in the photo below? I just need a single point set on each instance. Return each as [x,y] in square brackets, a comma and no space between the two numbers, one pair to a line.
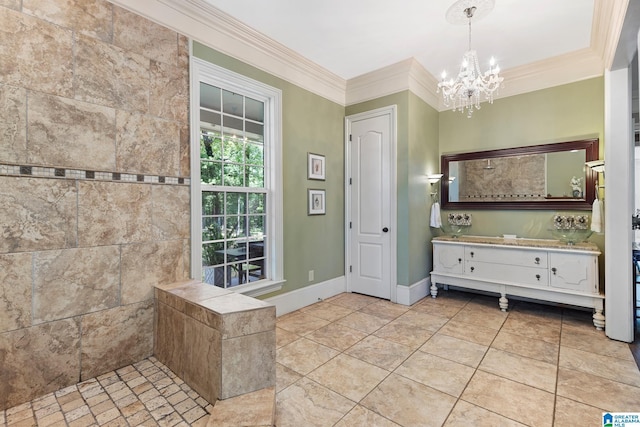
[471,84]
[443,75]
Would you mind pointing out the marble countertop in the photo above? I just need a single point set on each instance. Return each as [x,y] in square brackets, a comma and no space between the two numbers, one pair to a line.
[522,242]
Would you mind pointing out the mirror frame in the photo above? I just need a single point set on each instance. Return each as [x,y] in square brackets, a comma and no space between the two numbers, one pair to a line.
[592,153]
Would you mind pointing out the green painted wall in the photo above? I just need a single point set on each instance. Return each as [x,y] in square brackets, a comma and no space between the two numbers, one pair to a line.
[313,124]
[563,113]
[424,160]
[310,124]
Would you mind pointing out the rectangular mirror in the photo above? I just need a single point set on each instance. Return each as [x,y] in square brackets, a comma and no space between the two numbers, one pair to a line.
[548,176]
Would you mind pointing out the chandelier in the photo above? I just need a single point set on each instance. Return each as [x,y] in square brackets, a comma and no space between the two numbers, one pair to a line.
[464,92]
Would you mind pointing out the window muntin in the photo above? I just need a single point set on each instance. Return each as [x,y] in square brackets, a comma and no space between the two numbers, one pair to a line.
[234,197]
[260,170]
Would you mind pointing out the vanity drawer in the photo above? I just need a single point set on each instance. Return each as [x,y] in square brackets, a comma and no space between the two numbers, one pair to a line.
[516,274]
[507,256]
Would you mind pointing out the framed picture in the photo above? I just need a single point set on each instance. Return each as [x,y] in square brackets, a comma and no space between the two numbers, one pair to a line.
[316,202]
[315,166]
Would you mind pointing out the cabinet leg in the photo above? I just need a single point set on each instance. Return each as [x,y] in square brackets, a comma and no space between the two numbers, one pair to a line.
[598,319]
[504,302]
[434,290]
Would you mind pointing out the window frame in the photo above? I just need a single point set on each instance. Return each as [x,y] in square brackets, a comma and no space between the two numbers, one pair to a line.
[208,73]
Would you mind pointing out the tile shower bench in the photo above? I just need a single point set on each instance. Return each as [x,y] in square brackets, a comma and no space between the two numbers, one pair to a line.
[221,343]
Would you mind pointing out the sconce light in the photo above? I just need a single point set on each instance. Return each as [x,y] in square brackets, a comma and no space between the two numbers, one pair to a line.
[596,165]
[434,178]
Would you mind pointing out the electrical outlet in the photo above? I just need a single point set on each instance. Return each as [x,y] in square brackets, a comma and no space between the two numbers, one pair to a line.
[311,275]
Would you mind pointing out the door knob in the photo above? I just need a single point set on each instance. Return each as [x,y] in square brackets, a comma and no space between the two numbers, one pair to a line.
[385,229]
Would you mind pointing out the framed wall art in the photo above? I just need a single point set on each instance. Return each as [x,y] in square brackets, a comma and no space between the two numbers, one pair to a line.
[315,166]
[316,202]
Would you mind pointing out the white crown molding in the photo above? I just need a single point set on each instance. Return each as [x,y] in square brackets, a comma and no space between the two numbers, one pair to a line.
[214,28]
[608,19]
[382,82]
[410,75]
[404,75]
[571,67]
[218,30]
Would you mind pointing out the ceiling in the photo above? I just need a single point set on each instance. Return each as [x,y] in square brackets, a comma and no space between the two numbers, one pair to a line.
[351,38]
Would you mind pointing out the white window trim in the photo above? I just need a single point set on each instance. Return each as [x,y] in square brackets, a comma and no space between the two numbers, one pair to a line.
[202,71]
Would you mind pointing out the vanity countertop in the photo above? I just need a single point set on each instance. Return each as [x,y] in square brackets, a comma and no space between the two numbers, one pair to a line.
[524,242]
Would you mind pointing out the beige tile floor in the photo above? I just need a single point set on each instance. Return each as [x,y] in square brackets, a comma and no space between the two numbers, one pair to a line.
[357,361]
[457,360]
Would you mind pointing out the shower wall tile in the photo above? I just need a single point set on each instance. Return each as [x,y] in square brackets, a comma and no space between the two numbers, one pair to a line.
[67,133]
[38,360]
[111,213]
[89,17]
[15,291]
[171,211]
[116,337]
[136,34]
[13,124]
[71,282]
[248,363]
[183,52]
[185,151]
[202,359]
[145,265]
[37,214]
[95,201]
[11,4]
[35,54]
[169,337]
[169,96]
[146,144]
[108,75]
[186,254]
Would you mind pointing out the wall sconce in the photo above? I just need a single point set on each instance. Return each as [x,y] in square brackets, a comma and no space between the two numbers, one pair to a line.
[434,178]
[596,165]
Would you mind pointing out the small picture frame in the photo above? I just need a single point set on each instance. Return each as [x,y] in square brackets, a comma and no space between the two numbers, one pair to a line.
[315,166]
[316,202]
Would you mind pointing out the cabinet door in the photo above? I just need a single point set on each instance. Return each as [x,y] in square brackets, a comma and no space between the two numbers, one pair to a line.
[448,258]
[578,272]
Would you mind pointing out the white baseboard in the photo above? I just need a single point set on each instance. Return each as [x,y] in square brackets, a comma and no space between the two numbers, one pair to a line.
[295,300]
[409,295]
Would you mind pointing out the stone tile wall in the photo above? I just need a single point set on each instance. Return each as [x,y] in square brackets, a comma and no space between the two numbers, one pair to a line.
[94,195]
[222,344]
[506,179]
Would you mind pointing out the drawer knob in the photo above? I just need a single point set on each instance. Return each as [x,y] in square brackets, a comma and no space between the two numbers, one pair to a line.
[472,268]
[538,277]
[537,260]
[471,253]
[555,270]
[459,260]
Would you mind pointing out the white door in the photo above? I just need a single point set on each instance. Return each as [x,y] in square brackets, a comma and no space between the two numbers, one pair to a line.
[371,224]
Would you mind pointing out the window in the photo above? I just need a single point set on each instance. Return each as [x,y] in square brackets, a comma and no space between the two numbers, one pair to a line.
[236,181]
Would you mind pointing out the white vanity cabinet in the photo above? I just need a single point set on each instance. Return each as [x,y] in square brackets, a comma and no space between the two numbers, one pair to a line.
[533,268]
